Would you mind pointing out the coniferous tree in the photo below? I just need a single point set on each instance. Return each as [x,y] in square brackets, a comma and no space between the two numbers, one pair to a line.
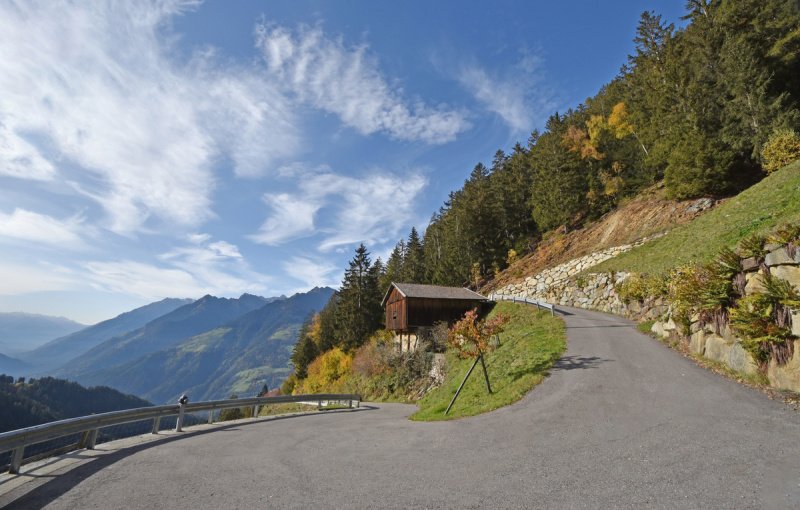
[559,184]
[327,324]
[306,348]
[414,261]
[512,180]
[394,266]
[358,311]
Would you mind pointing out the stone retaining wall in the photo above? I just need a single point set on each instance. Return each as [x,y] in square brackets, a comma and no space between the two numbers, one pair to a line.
[562,285]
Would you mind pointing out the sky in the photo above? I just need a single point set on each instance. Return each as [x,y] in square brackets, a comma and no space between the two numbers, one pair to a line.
[153,149]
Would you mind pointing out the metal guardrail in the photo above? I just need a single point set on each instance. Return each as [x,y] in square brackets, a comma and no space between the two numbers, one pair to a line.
[538,304]
[15,441]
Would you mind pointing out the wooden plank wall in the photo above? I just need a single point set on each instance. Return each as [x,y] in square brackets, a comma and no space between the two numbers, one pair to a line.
[396,312]
[427,312]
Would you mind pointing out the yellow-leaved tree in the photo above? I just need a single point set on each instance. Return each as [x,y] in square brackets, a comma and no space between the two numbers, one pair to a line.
[328,373]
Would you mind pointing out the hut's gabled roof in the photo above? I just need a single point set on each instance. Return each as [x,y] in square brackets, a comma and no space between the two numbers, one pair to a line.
[416,290]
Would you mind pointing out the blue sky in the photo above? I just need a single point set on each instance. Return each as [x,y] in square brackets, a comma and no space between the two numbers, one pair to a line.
[174,149]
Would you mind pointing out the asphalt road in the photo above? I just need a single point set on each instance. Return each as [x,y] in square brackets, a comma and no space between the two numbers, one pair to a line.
[622,422]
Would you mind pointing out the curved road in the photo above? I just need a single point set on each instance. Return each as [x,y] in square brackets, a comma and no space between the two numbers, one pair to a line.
[621,422]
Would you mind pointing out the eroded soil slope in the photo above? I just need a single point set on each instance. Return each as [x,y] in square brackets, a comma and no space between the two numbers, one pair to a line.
[647,214]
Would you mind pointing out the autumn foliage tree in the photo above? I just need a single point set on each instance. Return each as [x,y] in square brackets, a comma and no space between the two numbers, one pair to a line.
[472,337]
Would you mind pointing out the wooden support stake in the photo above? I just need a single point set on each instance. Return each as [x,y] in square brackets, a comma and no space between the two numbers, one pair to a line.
[485,373]
[462,385]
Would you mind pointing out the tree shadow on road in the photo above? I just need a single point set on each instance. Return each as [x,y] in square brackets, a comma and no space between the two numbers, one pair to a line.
[578,362]
[62,481]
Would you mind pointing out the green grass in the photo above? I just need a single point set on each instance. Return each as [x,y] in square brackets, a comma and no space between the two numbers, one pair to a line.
[530,344]
[645,327]
[278,409]
[757,210]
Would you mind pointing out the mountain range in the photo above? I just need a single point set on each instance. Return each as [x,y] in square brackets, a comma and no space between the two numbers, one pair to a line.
[53,354]
[161,333]
[238,356]
[9,365]
[207,348]
[20,332]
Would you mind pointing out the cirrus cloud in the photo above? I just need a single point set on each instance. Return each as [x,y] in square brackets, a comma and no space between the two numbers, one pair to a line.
[99,87]
[27,225]
[346,81]
[342,210]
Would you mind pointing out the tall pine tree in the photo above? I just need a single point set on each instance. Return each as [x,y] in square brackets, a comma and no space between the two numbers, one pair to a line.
[414,262]
[358,311]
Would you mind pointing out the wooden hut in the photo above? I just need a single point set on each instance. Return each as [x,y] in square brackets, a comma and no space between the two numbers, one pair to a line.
[412,309]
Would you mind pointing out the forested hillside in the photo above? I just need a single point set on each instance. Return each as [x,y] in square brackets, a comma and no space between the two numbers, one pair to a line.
[36,401]
[708,109]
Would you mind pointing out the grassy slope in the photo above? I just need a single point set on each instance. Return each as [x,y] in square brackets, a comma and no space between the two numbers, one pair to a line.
[757,210]
[531,343]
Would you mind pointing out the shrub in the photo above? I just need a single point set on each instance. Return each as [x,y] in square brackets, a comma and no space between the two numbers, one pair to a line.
[287,387]
[638,287]
[753,246]
[752,319]
[782,148]
[372,358]
[235,413]
[327,373]
[472,337]
[512,256]
[410,372]
[788,235]
[764,322]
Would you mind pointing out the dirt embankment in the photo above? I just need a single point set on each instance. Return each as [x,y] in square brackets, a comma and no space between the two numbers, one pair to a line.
[647,214]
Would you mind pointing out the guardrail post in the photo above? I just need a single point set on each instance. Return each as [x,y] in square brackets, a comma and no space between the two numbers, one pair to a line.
[319,405]
[91,441]
[181,409]
[255,411]
[16,460]
[156,424]
[210,416]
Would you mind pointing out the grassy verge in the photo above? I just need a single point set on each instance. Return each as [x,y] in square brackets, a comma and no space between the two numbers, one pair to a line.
[278,409]
[645,327]
[531,343]
[757,210]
